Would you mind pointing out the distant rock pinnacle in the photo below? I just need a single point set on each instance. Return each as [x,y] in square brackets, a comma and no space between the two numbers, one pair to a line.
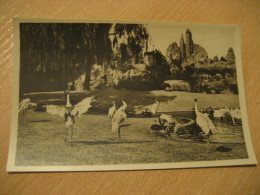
[189,43]
[182,48]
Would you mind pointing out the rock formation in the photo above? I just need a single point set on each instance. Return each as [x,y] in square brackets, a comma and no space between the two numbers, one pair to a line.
[230,57]
[188,53]
[200,53]
[173,54]
[189,43]
[182,48]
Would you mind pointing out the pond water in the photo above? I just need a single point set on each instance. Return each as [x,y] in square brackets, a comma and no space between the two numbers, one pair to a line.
[226,131]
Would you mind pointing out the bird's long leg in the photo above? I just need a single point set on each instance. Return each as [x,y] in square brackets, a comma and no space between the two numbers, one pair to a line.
[71,132]
[207,143]
[168,130]
[233,120]
[67,128]
[118,132]
[175,129]
[112,130]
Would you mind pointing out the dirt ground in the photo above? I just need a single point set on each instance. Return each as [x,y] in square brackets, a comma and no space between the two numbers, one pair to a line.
[41,142]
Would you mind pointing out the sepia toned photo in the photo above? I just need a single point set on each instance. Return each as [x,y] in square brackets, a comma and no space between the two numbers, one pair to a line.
[116,95]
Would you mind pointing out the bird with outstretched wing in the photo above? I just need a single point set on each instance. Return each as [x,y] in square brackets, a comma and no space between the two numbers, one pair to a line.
[69,111]
[25,105]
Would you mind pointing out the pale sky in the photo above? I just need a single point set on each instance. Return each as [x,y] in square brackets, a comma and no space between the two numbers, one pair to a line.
[216,39]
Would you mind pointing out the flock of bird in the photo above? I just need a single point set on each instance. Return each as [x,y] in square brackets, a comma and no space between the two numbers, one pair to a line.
[118,116]
[234,113]
[70,111]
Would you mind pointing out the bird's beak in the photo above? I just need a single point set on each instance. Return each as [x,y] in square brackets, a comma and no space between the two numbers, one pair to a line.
[66,92]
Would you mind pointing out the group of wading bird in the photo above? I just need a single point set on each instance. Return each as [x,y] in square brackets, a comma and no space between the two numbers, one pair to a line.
[118,115]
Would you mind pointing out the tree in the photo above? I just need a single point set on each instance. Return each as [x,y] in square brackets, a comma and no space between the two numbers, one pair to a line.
[222,59]
[160,70]
[135,36]
[215,59]
[40,56]
[103,46]
[50,52]
[230,57]
[53,54]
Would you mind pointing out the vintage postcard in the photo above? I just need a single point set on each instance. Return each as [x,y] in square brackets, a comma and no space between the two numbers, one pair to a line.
[117,95]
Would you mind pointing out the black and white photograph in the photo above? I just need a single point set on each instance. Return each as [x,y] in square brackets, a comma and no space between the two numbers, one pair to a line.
[127,95]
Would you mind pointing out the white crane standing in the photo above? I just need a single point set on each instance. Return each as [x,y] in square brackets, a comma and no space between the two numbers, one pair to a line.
[112,110]
[118,118]
[70,111]
[204,122]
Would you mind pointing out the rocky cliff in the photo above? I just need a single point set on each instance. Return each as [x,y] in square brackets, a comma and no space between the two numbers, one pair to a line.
[189,43]
[188,53]
[200,53]
[173,54]
[182,48]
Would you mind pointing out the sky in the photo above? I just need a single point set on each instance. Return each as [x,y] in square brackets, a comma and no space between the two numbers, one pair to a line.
[216,39]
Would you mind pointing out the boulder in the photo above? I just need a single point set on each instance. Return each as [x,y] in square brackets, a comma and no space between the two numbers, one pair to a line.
[177,85]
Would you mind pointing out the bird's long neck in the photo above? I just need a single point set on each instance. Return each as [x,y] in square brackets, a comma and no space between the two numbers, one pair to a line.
[68,104]
[124,105]
[196,108]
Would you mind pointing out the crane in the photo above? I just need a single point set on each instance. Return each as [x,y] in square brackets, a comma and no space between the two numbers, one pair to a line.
[235,114]
[25,105]
[112,110]
[69,111]
[118,118]
[204,122]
